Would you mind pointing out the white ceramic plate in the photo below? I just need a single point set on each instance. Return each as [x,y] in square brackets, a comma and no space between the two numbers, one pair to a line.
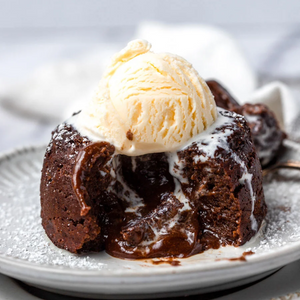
[28,255]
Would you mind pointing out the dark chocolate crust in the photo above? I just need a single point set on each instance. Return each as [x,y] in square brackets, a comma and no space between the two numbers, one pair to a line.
[61,210]
[86,210]
[224,203]
[265,130]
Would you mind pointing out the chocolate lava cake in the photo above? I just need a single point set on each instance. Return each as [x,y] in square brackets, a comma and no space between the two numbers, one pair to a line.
[174,204]
[266,133]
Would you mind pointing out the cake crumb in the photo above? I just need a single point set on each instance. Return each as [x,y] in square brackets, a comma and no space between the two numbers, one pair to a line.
[129,135]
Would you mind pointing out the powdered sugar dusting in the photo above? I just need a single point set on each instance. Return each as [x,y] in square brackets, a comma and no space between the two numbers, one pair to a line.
[62,134]
[282,192]
[21,233]
[22,236]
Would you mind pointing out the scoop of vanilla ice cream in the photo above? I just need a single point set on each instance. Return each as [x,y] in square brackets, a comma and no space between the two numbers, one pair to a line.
[148,102]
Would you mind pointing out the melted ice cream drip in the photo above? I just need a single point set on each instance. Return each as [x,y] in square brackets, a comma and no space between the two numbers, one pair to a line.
[133,163]
[126,193]
[175,169]
[212,141]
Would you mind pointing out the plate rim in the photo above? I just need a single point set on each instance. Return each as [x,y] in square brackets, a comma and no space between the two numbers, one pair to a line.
[287,254]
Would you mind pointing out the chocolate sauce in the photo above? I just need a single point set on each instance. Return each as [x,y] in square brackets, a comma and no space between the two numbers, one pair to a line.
[151,217]
[158,228]
[148,232]
[156,205]
[242,257]
[170,261]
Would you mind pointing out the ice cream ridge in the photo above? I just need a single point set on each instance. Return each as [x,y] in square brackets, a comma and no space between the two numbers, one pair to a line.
[148,102]
[151,167]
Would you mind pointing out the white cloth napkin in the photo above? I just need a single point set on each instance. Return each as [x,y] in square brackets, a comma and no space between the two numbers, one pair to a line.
[54,91]
[213,53]
[216,55]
